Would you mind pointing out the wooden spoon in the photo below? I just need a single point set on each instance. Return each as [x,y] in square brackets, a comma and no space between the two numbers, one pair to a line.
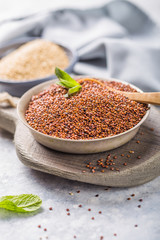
[149,97]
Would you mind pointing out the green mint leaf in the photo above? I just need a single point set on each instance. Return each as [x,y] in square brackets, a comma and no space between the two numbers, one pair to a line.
[65,76]
[21,203]
[66,83]
[59,83]
[74,89]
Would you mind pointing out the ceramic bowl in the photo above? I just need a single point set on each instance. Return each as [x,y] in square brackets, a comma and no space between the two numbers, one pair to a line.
[17,88]
[75,146]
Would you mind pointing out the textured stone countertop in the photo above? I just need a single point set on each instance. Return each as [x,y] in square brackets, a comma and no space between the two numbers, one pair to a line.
[119,215]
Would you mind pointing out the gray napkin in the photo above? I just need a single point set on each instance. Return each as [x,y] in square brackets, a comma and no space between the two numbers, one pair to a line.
[116,40]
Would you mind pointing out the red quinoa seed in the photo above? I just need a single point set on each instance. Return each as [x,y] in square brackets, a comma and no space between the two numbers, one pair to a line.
[94,112]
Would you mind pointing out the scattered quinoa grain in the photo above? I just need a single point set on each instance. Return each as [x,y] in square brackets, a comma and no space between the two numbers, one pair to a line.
[70,193]
[131,152]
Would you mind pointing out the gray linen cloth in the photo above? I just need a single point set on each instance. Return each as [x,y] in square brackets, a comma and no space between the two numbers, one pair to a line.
[115,40]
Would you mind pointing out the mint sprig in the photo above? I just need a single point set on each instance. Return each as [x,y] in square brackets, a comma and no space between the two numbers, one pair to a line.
[67,81]
[21,203]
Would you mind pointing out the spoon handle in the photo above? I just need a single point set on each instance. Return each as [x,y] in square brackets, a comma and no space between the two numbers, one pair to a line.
[149,97]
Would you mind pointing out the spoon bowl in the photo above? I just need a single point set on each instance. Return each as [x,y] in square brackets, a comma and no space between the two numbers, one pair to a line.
[17,88]
[76,146]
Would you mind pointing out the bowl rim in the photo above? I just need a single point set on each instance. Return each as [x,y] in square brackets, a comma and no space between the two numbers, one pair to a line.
[47,78]
[48,83]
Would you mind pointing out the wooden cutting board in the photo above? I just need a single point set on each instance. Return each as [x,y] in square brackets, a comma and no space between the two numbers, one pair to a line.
[70,166]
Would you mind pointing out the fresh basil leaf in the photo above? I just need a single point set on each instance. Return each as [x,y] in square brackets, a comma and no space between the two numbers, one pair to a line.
[65,76]
[74,89]
[21,203]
